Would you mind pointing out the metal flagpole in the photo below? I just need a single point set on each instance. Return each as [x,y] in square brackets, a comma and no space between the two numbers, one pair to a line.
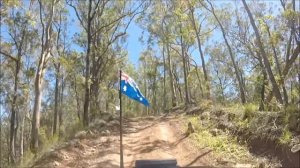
[121,125]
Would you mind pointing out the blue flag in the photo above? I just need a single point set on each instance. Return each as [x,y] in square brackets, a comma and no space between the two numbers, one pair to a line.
[130,89]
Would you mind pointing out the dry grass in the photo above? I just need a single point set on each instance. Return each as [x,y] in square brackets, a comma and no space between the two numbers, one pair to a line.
[223,144]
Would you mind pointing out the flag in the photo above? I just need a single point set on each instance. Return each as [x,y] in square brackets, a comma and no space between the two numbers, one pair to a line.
[130,89]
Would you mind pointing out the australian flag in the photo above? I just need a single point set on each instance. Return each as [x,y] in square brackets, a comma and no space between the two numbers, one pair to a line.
[130,89]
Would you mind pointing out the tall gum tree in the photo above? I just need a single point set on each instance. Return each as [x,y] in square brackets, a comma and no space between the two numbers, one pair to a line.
[197,29]
[18,31]
[86,19]
[46,39]
[264,55]
[232,57]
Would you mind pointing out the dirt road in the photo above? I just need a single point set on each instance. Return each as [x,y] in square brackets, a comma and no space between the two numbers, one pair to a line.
[143,139]
[162,140]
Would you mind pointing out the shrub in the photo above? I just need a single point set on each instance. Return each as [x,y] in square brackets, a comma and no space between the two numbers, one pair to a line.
[27,159]
[249,111]
[292,109]
[286,136]
[292,114]
[206,104]
[195,122]
[71,130]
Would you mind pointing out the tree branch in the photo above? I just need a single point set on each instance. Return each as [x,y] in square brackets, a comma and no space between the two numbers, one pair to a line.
[9,56]
[77,14]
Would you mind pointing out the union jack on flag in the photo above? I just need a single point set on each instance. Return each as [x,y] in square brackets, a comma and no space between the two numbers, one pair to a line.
[130,89]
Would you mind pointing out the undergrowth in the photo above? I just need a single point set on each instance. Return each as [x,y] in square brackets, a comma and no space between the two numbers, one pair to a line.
[48,141]
[286,136]
[222,145]
[249,111]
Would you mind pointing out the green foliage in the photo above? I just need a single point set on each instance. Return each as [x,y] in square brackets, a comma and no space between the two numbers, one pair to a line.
[206,104]
[291,113]
[292,109]
[46,139]
[249,111]
[289,14]
[73,129]
[223,145]
[27,159]
[286,136]
[244,124]
[195,122]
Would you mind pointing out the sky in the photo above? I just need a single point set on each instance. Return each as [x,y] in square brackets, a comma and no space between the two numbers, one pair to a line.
[133,46]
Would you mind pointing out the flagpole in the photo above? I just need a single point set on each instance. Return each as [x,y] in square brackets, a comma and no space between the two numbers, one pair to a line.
[121,125]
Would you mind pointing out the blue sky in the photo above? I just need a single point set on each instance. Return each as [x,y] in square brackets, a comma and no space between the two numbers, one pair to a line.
[133,45]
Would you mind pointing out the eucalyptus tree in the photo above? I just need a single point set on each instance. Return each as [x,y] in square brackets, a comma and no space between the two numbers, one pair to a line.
[61,46]
[184,40]
[19,22]
[104,25]
[290,20]
[210,7]
[150,71]
[289,58]
[46,15]
[198,18]
[109,40]
[158,22]
[264,55]
[242,39]
[222,73]
[86,19]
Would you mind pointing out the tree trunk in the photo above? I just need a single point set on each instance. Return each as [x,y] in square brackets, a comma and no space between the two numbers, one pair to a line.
[16,133]
[145,87]
[173,98]
[22,137]
[286,69]
[236,70]
[61,98]
[264,56]
[262,93]
[199,80]
[77,98]
[197,30]
[187,97]
[55,117]
[87,69]
[1,140]
[285,95]
[34,144]
[94,104]
[188,70]
[164,61]
[177,85]
[23,129]
[13,119]
[36,108]
[7,142]
[45,53]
